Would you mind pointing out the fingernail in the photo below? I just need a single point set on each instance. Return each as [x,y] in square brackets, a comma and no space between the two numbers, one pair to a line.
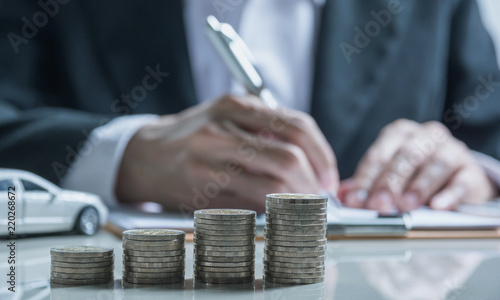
[382,201]
[409,201]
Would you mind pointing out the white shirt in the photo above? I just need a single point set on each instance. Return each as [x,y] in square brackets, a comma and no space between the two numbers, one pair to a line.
[280,33]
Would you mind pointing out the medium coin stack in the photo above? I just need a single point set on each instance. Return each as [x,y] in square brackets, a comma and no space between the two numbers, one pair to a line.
[295,238]
[224,246]
[153,256]
[81,265]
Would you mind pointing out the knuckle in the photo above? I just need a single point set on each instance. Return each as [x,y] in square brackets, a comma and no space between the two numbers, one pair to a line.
[435,126]
[290,157]
[228,103]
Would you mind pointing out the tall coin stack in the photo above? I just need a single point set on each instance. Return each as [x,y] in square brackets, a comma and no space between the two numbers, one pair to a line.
[295,238]
[81,265]
[153,256]
[224,246]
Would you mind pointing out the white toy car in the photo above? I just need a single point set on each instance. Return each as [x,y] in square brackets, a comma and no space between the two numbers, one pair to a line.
[42,207]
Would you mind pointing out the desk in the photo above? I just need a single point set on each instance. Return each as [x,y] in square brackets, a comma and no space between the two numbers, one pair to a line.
[362,269]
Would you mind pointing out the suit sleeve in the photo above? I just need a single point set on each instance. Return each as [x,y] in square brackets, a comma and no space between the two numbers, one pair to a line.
[38,131]
[472,111]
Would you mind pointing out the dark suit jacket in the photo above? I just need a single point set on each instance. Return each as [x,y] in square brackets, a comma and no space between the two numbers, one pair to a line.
[71,68]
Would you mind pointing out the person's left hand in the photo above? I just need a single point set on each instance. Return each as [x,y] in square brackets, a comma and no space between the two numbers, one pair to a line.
[412,164]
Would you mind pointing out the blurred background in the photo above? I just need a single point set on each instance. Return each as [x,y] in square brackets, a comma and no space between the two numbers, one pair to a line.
[491,15]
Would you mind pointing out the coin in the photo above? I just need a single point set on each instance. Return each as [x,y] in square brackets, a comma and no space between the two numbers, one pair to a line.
[296,206]
[82,270]
[145,247]
[308,262]
[224,259]
[79,281]
[293,276]
[153,265]
[155,275]
[225,214]
[223,275]
[81,275]
[154,270]
[295,217]
[301,212]
[299,238]
[154,281]
[294,280]
[224,264]
[297,244]
[166,259]
[154,235]
[296,198]
[302,228]
[167,244]
[223,269]
[104,259]
[166,253]
[294,254]
[81,265]
[226,228]
[224,222]
[81,252]
[226,254]
[223,238]
[294,270]
[232,243]
[225,248]
[297,232]
[294,223]
[226,233]
[216,280]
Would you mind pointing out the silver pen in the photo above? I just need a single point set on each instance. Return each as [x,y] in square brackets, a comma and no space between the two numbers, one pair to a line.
[238,58]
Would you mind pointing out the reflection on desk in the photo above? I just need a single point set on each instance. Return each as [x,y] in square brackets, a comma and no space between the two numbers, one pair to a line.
[365,269]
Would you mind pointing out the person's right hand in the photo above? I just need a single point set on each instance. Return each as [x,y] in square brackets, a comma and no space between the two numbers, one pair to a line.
[226,153]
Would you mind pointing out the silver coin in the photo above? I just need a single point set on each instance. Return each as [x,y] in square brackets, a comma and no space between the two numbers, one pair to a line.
[293,280]
[224,259]
[300,238]
[165,253]
[296,198]
[76,260]
[215,280]
[301,212]
[296,206]
[154,235]
[224,238]
[224,248]
[294,270]
[227,233]
[294,254]
[154,270]
[81,252]
[225,214]
[154,260]
[81,265]
[145,247]
[224,222]
[310,228]
[156,275]
[231,243]
[278,261]
[81,276]
[223,270]
[294,223]
[172,243]
[294,217]
[225,254]
[297,244]
[82,270]
[154,281]
[223,275]
[153,265]
[80,281]
[230,228]
[224,264]
[297,232]
[292,275]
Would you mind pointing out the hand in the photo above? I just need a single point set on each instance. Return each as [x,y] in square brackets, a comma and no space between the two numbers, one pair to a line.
[227,153]
[410,165]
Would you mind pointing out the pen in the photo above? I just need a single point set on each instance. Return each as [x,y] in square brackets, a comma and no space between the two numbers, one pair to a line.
[241,63]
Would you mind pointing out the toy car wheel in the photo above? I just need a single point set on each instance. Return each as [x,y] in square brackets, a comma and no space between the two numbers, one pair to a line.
[88,221]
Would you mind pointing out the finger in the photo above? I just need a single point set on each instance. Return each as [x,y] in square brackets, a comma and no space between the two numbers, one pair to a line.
[288,125]
[431,177]
[376,158]
[452,195]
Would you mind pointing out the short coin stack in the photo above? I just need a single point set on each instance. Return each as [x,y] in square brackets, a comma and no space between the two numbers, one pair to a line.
[153,256]
[295,235]
[81,265]
[224,246]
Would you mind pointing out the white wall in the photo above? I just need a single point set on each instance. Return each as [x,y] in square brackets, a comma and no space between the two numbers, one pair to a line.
[490,10]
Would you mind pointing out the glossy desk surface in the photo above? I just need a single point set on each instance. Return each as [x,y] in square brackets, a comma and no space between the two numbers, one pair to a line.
[364,269]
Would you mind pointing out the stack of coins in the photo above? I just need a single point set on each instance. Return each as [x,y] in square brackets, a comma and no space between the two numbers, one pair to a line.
[81,265]
[153,256]
[295,238]
[224,246]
